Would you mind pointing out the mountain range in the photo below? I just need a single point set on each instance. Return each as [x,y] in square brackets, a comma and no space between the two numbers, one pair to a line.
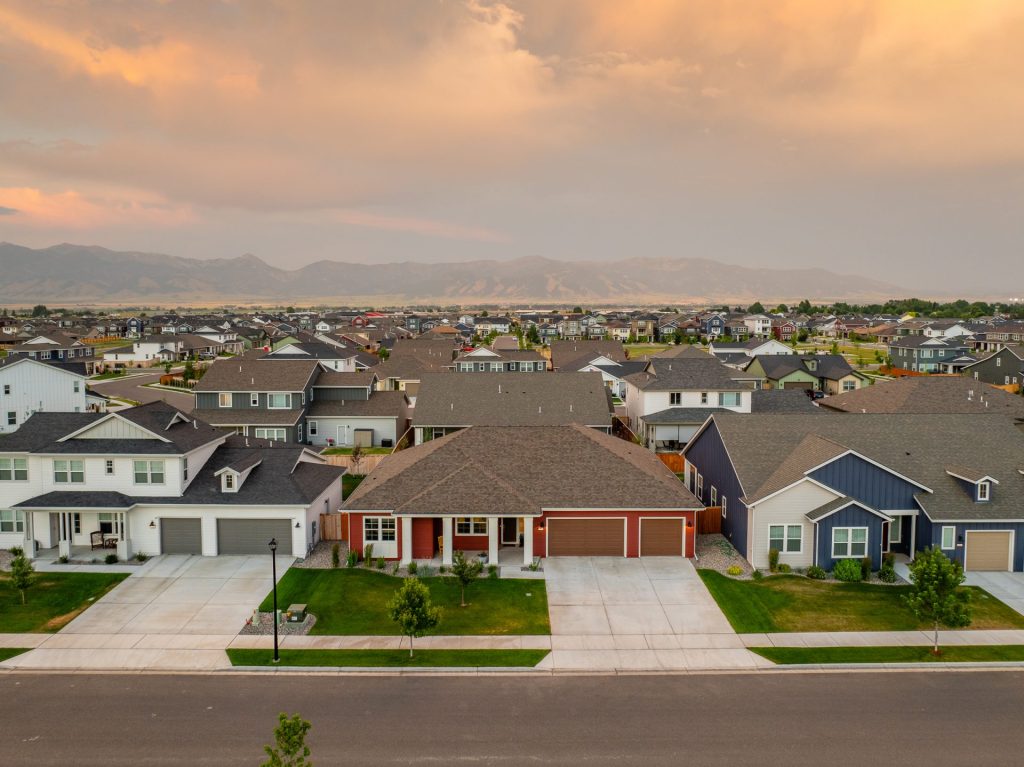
[90,275]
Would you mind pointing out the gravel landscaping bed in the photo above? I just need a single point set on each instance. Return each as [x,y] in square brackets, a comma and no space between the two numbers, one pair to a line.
[265,626]
[5,560]
[714,552]
[320,557]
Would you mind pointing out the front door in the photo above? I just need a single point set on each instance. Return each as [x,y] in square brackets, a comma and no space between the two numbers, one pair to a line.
[54,529]
[885,537]
[510,531]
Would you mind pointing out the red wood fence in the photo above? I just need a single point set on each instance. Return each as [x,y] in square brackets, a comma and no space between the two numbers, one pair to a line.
[709,520]
[334,527]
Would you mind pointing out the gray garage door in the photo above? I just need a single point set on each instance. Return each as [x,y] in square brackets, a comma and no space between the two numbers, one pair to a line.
[181,536]
[251,536]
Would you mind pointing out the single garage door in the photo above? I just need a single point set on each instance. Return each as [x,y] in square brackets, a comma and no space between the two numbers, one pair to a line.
[661,537]
[181,536]
[586,537]
[988,550]
[251,536]
[797,385]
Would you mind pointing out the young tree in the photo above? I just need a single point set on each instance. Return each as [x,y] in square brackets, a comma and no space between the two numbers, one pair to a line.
[936,596]
[167,367]
[289,749]
[383,353]
[190,370]
[466,571]
[22,574]
[356,458]
[412,610]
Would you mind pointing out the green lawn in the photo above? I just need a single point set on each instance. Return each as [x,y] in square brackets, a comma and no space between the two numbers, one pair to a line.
[953,654]
[350,482]
[783,603]
[388,658]
[365,451]
[52,601]
[10,652]
[636,351]
[352,601]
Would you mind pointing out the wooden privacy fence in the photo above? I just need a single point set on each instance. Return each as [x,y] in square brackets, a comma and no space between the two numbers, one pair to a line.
[333,527]
[709,520]
[674,461]
[367,463]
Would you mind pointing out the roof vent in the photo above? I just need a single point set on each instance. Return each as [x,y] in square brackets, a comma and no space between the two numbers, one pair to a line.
[452,406]
[247,442]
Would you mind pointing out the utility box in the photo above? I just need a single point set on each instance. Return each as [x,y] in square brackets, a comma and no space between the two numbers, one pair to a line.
[296,613]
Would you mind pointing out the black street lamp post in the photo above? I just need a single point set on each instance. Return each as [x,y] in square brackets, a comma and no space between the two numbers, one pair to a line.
[273,570]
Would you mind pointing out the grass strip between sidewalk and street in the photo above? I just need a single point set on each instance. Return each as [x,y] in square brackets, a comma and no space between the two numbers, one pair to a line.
[390,658]
[952,654]
[10,652]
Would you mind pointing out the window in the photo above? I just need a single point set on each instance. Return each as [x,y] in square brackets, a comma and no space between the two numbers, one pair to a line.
[78,386]
[277,401]
[184,468]
[984,490]
[106,520]
[700,486]
[999,362]
[724,504]
[254,400]
[949,537]
[313,428]
[12,418]
[785,538]
[729,399]
[471,526]
[277,434]
[13,469]
[896,530]
[76,523]
[11,521]
[108,467]
[68,471]
[378,529]
[149,472]
[7,388]
[298,433]
[849,385]
[714,495]
[703,398]
[229,481]
[849,542]
[224,399]
[675,398]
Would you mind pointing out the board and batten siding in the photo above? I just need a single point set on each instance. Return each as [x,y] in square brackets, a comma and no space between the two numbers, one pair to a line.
[851,516]
[208,400]
[708,456]
[787,508]
[930,534]
[860,479]
[37,386]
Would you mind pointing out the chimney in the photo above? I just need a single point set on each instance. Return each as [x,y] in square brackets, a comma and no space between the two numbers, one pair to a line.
[540,409]
[247,442]
[499,388]
[452,406]
[570,407]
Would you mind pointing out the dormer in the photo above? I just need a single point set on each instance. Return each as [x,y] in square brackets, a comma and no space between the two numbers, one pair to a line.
[978,484]
[233,476]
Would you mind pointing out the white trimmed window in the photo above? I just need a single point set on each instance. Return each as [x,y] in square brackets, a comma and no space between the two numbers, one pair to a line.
[675,398]
[896,530]
[729,399]
[254,399]
[700,486]
[378,529]
[108,467]
[12,521]
[724,504]
[703,398]
[224,399]
[276,434]
[68,472]
[849,385]
[714,495]
[149,472]
[277,401]
[471,526]
[849,542]
[312,428]
[949,537]
[786,539]
[12,418]
[984,490]
[13,469]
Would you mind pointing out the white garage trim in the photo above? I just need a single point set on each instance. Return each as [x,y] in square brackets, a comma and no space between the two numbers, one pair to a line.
[1009,553]
[640,534]
[547,531]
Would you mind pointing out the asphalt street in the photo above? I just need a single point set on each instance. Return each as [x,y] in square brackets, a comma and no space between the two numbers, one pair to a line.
[133,387]
[906,718]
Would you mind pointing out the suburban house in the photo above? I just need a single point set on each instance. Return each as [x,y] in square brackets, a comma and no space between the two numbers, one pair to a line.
[1002,368]
[448,403]
[488,360]
[822,489]
[737,354]
[153,480]
[56,348]
[410,360]
[669,400]
[332,356]
[928,395]
[503,490]
[28,386]
[573,356]
[758,325]
[926,354]
[256,397]
[829,373]
[348,410]
[614,374]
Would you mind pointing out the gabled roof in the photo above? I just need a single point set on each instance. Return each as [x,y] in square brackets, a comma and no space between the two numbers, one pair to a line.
[928,394]
[570,356]
[693,373]
[249,372]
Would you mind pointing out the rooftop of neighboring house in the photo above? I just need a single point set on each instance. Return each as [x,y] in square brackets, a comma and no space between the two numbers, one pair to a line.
[497,399]
[381,404]
[832,367]
[917,341]
[926,395]
[573,355]
[251,372]
[514,355]
[762,401]
[409,359]
[771,452]
[693,372]
[521,470]
[335,378]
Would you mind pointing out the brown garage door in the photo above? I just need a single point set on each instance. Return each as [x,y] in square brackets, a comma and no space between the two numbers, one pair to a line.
[797,385]
[661,537]
[988,550]
[586,537]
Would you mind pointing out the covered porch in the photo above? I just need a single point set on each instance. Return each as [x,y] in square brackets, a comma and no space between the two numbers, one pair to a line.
[79,534]
[504,540]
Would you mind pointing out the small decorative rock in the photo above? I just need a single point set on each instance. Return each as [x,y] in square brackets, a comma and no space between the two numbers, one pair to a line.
[263,625]
[714,552]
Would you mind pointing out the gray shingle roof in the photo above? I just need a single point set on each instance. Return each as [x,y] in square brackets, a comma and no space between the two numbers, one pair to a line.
[231,416]
[250,372]
[570,356]
[506,471]
[381,404]
[928,394]
[690,373]
[504,399]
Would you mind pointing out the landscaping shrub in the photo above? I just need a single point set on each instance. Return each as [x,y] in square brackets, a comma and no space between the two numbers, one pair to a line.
[847,570]
[411,568]
[110,559]
[425,571]
[381,563]
[734,570]
[63,559]
[785,568]
[141,556]
[335,556]
[442,569]
[865,569]
[889,559]
[17,551]
[757,575]
[368,554]
[887,574]
[492,571]
[352,558]
[773,559]
[816,573]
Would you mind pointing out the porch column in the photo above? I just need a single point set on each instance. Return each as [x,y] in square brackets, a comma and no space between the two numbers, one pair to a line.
[913,538]
[527,540]
[446,540]
[124,545]
[30,535]
[406,541]
[492,540]
[64,534]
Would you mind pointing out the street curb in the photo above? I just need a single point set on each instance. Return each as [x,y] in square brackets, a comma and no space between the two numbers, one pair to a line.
[432,670]
[937,665]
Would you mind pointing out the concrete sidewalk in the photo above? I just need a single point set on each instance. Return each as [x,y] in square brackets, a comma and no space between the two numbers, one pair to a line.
[883,638]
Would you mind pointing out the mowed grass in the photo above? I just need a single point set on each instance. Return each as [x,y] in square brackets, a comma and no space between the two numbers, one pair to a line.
[350,482]
[354,601]
[389,658]
[52,601]
[637,351]
[953,654]
[786,603]
[10,652]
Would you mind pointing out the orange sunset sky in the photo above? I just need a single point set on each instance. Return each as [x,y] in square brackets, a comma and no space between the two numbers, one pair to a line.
[882,137]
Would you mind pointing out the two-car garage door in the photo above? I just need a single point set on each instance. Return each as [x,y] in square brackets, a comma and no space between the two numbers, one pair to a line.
[989,550]
[587,537]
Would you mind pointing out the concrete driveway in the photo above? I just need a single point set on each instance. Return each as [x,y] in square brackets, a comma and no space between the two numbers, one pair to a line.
[176,612]
[652,613]
[1006,587]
